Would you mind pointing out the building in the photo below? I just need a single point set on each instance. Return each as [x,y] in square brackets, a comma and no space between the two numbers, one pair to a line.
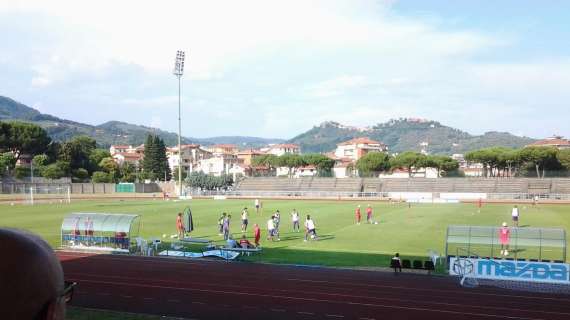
[281,149]
[220,164]
[223,149]
[356,148]
[554,141]
[246,157]
[128,157]
[127,154]
[192,154]
[121,149]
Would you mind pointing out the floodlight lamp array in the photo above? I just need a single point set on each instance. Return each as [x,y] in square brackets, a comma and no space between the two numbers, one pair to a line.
[179,63]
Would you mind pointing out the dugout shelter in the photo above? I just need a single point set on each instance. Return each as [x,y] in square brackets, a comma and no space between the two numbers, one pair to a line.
[100,231]
[525,243]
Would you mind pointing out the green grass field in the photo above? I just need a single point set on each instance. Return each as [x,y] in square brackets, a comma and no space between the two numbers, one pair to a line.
[410,231]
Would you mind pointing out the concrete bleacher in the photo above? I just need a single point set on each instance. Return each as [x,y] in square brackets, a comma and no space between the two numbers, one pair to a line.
[458,185]
[511,186]
[561,186]
[539,186]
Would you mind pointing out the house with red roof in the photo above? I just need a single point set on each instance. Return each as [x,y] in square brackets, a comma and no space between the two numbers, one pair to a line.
[554,141]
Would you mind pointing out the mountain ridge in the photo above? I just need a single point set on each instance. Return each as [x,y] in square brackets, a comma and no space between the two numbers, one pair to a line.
[403,134]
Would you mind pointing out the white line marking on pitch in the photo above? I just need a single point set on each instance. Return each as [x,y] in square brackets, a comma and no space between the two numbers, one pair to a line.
[304,312]
[334,315]
[197,302]
[128,297]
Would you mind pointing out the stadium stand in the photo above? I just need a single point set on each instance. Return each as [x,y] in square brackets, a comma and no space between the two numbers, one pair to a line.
[561,186]
[461,185]
[539,186]
[511,186]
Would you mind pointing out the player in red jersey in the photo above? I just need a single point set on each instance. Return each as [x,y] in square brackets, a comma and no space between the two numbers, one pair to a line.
[358,215]
[369,214]
[180,226]
[504,238]
[256,234]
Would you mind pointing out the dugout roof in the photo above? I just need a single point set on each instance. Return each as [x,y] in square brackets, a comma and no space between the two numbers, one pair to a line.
[524,242]
[99,229]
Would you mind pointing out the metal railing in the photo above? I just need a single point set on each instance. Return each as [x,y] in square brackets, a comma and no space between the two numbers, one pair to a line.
[383,195]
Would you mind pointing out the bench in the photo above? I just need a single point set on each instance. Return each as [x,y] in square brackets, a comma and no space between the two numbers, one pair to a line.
[418,265]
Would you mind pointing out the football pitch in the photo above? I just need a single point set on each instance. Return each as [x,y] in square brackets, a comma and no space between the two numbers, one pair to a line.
[411,231]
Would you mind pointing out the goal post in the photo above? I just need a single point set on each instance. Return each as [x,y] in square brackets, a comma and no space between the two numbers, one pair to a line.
[47,194]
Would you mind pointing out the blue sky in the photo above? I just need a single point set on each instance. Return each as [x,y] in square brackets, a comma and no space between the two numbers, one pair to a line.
[276,68]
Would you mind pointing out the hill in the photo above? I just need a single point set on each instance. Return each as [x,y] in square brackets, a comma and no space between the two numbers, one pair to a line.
[112,132]
[406,134]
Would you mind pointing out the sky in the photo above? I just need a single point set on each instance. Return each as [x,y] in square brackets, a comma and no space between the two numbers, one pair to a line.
[277,68]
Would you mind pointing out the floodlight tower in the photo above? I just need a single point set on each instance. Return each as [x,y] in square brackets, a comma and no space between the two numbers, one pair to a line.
[178,72]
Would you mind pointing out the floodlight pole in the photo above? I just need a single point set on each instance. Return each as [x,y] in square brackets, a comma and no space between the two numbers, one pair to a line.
[178,72]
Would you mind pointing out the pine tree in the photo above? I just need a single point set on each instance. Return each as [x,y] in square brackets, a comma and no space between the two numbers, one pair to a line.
[149,158]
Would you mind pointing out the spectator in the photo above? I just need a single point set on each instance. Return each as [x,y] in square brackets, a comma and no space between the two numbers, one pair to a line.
[31,278]
[256,234]
[244,243]
[396,263]
[231,243]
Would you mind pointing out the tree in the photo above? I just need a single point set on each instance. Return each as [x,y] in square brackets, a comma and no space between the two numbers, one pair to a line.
[291,161]
[175,173]
[52,171]
[23,138]
[408,160]
[442,164]
[270,161]
[564,158]
[155,162]
[95,158]
[7,163]
[109,166]
[127,172]
[101,177]
[323,163]
[200,180]
[77,153]
[540,158]
[372,163]
[80,174]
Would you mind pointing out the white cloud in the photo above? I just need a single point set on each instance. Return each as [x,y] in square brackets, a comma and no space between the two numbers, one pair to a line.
[337,86]
[269,68]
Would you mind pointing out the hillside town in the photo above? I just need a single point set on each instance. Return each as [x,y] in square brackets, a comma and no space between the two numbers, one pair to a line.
[228,159]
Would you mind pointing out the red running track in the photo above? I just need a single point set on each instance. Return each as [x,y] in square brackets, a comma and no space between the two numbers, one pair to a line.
[204,289]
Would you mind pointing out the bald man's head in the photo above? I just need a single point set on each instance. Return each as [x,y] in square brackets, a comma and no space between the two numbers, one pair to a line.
[31,278]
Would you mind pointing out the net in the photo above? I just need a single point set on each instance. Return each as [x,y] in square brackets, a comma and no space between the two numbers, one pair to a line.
[47,194]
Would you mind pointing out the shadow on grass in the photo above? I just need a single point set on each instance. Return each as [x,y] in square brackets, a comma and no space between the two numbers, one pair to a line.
[287,255]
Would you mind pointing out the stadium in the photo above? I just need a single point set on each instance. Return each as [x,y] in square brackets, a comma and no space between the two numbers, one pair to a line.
[424,221]
[345,159]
